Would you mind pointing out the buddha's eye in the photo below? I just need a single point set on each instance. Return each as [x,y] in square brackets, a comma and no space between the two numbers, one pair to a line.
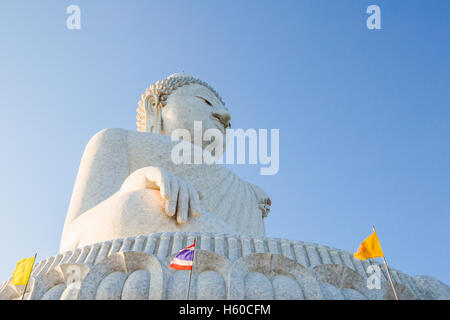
[206,101]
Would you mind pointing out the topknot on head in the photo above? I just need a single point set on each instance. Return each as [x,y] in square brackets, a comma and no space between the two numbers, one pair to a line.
[180,75]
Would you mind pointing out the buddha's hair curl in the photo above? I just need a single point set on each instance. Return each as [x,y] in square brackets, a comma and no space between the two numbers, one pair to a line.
[159,92]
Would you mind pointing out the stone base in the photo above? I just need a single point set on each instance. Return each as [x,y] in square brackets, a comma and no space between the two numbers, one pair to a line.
[226,267]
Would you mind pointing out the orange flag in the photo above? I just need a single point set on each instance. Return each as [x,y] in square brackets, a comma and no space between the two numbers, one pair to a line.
[369,248]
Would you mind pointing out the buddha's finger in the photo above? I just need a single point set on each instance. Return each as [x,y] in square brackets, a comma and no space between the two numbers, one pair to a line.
[164,184]
[183,203]
[173,198]
[166,208]
[194,203]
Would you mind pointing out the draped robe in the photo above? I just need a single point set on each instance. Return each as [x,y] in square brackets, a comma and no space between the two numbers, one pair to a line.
[231,204]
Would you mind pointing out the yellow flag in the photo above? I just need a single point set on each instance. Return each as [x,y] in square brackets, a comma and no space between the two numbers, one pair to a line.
[369,248]
[23,270]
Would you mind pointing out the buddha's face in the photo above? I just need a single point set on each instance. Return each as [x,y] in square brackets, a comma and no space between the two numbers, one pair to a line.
[191,103]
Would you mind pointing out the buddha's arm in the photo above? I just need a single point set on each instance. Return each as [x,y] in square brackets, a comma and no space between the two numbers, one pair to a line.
[104,174]
[103,168]
[180,198]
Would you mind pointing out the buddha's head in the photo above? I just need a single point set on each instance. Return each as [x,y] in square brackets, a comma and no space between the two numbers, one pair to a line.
[178,101]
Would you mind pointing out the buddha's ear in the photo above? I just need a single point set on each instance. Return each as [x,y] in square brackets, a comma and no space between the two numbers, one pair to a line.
[152,111]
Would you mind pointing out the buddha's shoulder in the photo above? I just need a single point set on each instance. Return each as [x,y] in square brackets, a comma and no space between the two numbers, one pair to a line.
[109,136]
[119,136]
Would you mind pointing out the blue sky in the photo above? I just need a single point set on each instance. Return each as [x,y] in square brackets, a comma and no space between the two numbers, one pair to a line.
[363,114]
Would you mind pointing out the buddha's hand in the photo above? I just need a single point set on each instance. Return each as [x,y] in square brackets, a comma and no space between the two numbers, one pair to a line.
[179,196]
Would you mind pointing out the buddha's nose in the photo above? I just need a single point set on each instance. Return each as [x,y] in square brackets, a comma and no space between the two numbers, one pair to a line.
[223,116]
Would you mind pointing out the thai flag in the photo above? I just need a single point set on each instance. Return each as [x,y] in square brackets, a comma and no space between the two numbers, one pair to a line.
[184,258]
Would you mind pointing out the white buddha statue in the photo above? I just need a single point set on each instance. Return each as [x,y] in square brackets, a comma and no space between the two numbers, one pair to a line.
[128,185]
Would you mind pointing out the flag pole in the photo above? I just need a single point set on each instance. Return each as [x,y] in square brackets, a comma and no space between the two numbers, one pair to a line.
[387,269]
[26,286]
[190,274]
